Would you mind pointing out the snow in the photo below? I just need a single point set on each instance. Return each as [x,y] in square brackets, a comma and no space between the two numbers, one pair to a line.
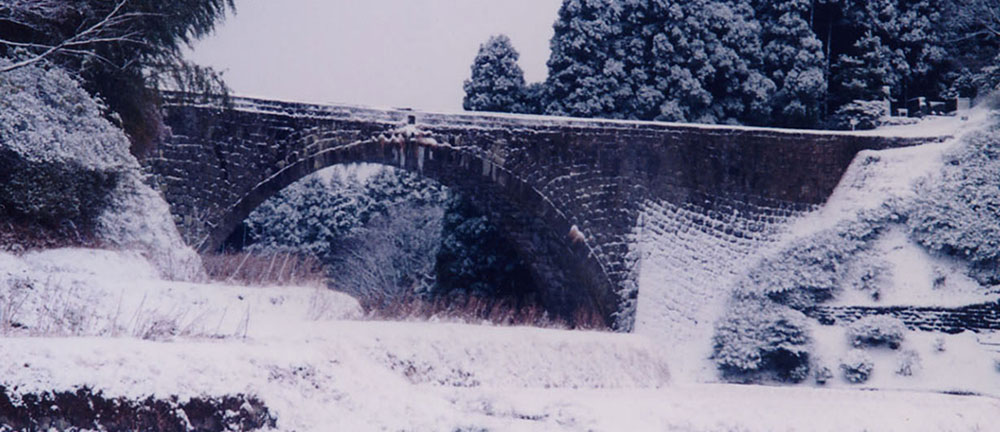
[83,292]
[338,371]
[139,219]
[912,278]
[932,127]
[965,365]
[686,273]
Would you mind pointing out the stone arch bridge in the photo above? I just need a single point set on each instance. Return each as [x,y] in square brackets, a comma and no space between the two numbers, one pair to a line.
[568,192]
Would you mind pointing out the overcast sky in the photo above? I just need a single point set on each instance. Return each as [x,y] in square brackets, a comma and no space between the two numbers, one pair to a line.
[387,53]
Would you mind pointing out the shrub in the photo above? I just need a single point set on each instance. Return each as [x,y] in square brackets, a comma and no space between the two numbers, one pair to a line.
[857,366]
[859,115]
[758,339]
[811,270]
[59,158]
[876,330]
[959,215]
[870,276]
[477,309]
[823,374]
[908,363]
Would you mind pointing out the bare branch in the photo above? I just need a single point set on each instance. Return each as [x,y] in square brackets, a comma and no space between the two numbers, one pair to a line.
[93,34]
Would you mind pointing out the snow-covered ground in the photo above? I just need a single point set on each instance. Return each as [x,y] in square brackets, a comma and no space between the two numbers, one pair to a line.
[107,320]
[318,365]
[686,272]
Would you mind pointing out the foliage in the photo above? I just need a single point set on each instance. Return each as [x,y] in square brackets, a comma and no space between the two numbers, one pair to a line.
[959,213]
[856,366]
[869,274]
[392,235]
[862,77]
[390,257]
[758,339]
[122,50]
[813,269]
[475,258]
[875,331]
[793,60]
[692,61]
[59,158]
[497,82]
[784,62]
[859,115]
[823,375]
[908,363]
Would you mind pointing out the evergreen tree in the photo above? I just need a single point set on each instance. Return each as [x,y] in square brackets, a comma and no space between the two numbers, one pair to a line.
[863,77]
[794,61]
[137,47]
[497,82]
[658,59]
[475,259]
[972,29]
[706,63]
[584,70]
[923,40]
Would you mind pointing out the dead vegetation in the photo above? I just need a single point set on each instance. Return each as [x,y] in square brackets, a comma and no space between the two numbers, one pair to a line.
[264,269]
[478,310]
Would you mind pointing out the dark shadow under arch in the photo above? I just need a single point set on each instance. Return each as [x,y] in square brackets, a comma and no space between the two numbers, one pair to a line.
[571,279]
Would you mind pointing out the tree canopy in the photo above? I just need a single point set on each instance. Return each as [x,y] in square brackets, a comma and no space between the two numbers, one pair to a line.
[123,51]
[789,63]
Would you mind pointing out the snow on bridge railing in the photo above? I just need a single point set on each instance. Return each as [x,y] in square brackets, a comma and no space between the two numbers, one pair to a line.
[512,121]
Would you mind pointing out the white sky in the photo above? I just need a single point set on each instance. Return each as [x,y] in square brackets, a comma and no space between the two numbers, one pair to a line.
[389,53]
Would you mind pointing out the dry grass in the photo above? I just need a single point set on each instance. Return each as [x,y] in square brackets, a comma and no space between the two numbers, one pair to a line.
[476,310]
[264,269]
[18,237]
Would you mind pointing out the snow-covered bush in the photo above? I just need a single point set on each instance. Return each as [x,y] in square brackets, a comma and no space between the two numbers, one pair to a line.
[823,375]
[876,330]
[857,366]
[908,363]
[859,115]
[758,339]
[813,269]
[59,157]
[870,275]
[939,344]
[62,162]
[958,214]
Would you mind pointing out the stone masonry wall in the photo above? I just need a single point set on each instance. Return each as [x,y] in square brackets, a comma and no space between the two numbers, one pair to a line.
[974,318]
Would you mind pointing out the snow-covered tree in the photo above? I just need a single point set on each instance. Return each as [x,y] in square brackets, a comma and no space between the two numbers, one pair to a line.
[584,71]
[497,82]
[475,258]
[123,50]
[924,41]
[682,61]
[863,77]
[793,60]
[706,58]
[972,34]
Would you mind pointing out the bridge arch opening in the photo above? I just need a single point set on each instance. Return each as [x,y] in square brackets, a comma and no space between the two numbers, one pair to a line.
[392,239]
[571,282]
